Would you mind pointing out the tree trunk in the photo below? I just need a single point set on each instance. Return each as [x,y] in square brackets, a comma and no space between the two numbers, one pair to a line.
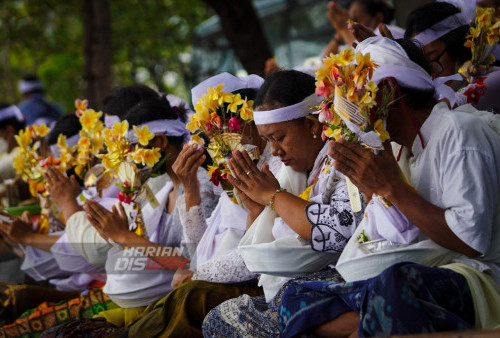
[97,50]
[242,28]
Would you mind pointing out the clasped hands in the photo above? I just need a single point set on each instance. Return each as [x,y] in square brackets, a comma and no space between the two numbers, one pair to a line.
[255,187]
[369,172]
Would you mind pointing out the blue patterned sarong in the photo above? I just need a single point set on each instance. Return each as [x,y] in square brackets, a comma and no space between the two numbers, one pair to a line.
[406,298]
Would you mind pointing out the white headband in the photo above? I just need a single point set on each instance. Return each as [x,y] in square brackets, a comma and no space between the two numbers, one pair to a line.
[393,62]
[28,86]
[288,113]
[70,141]
[441,28]
[173,128]
[10,112]
[231,83]
[109,120]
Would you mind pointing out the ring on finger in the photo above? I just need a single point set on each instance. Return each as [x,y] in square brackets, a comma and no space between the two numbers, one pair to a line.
[248,172]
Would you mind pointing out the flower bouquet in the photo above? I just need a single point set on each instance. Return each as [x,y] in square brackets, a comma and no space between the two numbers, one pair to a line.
[482,39]
[223,117]
[122,159]
[30,166]
[349,108]
[82,157]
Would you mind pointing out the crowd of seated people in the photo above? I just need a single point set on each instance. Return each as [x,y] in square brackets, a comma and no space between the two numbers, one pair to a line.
[271,209]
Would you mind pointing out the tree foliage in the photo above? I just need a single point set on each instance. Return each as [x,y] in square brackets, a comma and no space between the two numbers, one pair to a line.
[150,42]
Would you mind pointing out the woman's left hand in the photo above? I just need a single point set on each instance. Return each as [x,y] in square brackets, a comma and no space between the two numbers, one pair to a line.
[258,185]
[110,224]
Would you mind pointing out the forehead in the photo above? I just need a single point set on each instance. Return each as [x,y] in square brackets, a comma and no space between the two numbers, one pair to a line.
[271,129]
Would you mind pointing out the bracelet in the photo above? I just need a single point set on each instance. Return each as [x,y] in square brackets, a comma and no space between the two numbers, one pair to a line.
[273,196]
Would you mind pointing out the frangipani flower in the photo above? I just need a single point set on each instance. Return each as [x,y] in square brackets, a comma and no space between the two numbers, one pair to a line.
[234,103]
[120,128]
[89,119]
[143,135]
[41,130]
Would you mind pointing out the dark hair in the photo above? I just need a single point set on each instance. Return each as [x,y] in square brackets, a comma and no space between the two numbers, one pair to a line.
[415,53]
[417,98]
[156,109]
[373,7]
[122,99]
[68,125]
[429,14]
[14,122]
[285,88]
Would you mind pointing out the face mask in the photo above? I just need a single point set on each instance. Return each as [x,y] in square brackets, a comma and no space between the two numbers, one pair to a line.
[4,145]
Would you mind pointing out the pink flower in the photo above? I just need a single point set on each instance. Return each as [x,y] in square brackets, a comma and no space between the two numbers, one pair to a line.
[325,114]
[324,88]
[126,184]
[234,123]
[123,197]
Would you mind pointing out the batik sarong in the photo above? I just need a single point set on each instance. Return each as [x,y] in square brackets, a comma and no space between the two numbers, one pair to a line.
[406,298]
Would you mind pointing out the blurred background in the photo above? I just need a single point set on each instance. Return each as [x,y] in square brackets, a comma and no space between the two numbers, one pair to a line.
[82,49]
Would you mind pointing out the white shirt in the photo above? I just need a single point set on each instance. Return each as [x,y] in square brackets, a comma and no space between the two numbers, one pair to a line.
[458,170]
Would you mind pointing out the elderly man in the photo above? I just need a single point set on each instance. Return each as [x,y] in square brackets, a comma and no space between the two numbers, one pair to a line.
[455,170]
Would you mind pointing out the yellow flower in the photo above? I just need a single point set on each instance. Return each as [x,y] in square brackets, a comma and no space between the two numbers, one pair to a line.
[194,124]
[322,73]
[89,119]
[138,155]
[19,164]
[246,110]
[225,98]
[151,156]
[41,130]
[352,95]
[215,92]
[144,135]
[212,169]
[196,139]
[24,138]
[345,57]
[61,141]
[236,100]
[380,130]
[120,128]
[84,141]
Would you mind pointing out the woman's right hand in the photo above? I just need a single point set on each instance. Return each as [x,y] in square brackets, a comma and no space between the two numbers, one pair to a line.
[186,168]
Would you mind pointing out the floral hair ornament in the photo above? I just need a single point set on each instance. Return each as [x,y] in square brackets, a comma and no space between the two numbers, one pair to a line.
[122,159]
[224,116]
[31,166]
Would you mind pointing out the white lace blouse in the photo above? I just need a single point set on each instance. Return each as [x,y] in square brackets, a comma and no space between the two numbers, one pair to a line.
[227,266]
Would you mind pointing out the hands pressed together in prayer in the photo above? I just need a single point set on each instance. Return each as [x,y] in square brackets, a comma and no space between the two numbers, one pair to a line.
[63,191]
[16,230]
[254,186]
[111,225]
[369,172]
